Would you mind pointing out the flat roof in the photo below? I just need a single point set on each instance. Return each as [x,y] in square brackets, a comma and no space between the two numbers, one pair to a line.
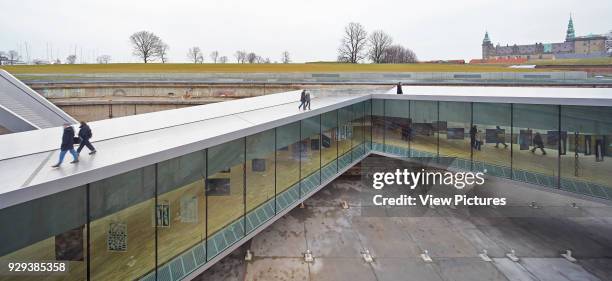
[526,95]
[131,142]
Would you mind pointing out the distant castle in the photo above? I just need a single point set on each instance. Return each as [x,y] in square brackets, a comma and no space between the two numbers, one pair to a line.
[590,46]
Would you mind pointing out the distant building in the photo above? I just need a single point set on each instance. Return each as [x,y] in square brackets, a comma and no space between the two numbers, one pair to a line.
[590,46]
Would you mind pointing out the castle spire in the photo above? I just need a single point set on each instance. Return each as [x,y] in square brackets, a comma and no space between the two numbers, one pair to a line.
[486,39]
[570,34]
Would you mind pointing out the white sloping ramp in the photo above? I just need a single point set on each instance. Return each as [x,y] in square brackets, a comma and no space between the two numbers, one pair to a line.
[22,109]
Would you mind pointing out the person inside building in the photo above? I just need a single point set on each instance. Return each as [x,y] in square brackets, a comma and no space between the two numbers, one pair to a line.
[473,132]
[538,143]
[67,146]
[399,88]
[500,137]
[85,134]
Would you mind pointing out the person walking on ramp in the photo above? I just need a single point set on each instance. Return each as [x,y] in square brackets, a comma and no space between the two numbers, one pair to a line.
[67,146]
[302,100]
[307,104]
[85,134]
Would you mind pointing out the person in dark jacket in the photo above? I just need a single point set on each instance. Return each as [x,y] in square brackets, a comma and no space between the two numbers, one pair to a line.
[85,134]
[399,88]
[538,143]
[307,104]
[473,132]
[500,137]
[302,100]
[67,146]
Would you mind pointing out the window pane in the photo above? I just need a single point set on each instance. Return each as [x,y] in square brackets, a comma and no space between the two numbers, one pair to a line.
[225,195]
[260,175]
[397,127]
[455,132]
[287,165]
[535,152]
[328,141]
[123,225]
[329,123]
[493,119]
[586,142]
[345,136]
[32,232]
[358,131]
[310,146]
[378,124]
[367,129]
[181,208]
[424,115]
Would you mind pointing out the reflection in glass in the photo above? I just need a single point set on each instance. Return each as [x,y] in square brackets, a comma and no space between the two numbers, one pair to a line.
[424,115]
[398,127]
[260,173]
[123,225]
[535,153]
[33,232]
[455,132]
[225,195]
[493,119]
[181,210]
[586,144]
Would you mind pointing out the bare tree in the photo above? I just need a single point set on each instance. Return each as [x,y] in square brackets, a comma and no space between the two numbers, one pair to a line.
[214,56]
[195,55]
[353,44]
[251,57]
[285,57]
[71,59]
[240,56]
[398,54]
[146,45]
[103,59]
[13,57]
[161,51]
[379,41]
[223,59]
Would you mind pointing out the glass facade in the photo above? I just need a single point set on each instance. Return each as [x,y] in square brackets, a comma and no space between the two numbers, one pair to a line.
[494,153]
[163,221]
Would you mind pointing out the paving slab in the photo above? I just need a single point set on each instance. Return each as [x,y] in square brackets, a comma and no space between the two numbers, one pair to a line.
[406,269]
[469,269]
[513,271]
[334,269]
[284,238]
[330,234]
[438,240]
[601,268]
[557,269]
[276,269]
[385,238]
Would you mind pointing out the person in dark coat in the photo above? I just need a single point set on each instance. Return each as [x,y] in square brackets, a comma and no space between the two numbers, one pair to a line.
[473,132]
[85,134]
[499,137]
[307,104]
[399,88]
[302,100]
[67,146]
[538,143]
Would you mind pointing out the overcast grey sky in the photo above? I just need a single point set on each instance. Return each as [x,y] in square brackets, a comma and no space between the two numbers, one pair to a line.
[309,29]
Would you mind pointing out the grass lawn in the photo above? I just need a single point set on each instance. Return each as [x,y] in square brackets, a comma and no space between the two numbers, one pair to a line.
[270,68]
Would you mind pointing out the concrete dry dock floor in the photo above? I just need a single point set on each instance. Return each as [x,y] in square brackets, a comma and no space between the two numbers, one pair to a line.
[453,237]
